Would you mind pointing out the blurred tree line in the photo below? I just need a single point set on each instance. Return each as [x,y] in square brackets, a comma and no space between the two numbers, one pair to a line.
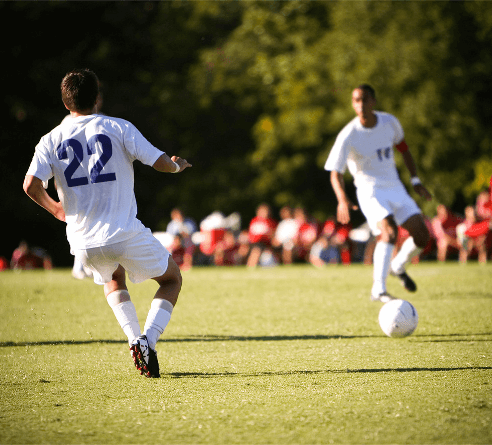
[252,93]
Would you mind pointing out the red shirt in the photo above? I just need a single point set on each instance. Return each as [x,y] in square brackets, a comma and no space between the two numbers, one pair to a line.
[261,230]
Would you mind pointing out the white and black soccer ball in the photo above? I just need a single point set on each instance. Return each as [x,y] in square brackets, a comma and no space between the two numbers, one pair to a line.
[398,318]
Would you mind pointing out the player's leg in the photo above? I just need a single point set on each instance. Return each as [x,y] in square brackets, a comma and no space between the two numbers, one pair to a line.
[106,270]
[378,209]
[383,253]
[413,245]
[120,302]
[163,303]
[161,308]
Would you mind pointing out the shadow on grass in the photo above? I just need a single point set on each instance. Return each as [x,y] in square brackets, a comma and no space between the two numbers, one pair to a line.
[204,375]
[247,338]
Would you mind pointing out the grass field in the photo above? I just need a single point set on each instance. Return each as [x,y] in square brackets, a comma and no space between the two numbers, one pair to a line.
[288,355]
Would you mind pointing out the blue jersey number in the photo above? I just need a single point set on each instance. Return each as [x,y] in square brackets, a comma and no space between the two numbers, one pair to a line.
[95,174]
[383,152]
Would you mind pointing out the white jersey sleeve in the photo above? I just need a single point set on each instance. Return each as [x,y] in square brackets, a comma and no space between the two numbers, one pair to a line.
[40,165]
[337,159]
[139,147]
[398,129]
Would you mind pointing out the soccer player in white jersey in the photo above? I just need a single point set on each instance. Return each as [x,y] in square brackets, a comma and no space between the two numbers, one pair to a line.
[91,158]
[365,146]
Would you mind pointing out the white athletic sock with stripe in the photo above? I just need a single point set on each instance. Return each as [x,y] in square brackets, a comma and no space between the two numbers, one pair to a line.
[157,320]
[382,260]
[407,252]
[125,313]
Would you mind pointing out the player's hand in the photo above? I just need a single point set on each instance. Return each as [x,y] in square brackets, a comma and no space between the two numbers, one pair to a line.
[343,211]
[183,163]
[422,191]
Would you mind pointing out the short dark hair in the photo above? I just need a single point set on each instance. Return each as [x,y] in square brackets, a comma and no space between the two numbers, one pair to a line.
[368,89]
[79,89]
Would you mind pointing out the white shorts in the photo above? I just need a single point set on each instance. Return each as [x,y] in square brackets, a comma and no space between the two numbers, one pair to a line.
[376,204]
[142,256]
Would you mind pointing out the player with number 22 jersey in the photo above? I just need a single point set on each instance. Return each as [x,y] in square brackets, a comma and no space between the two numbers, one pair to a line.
[95,183]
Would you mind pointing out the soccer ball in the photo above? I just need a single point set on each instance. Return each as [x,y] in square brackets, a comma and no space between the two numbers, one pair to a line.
[398,318]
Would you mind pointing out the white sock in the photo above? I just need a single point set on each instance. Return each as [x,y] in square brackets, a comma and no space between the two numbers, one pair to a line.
[407,252]
[125,313]
[157,320]
[382,259]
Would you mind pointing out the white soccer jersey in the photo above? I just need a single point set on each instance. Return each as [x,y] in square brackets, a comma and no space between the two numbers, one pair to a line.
[368,152]
[91,158]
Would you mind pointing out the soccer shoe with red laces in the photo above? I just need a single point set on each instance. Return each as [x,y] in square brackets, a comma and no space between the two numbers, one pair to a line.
[145,357]
[405,280]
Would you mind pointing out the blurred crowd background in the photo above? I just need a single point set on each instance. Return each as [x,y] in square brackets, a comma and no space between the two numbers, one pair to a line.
[253,94]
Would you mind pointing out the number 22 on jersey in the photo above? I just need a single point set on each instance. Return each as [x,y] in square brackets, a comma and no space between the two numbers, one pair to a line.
[95,174]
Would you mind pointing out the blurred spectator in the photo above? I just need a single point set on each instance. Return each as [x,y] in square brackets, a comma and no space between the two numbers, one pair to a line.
[261,230]
[182,251]
[286,234]
[27,258]
[307,234]
[444,228]
[226,251]
[243,248]
[483,206]
[482,229]
[268,258]
[179,223]
[4,264]
[338,235]
[467,244]
[323,252]
[212,231]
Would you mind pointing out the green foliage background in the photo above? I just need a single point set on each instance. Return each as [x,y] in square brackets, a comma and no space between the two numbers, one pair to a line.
[253,93]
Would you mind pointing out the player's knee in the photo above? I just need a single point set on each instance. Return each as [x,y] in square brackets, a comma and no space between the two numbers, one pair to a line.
[175,273]
[389,234]
[389,230]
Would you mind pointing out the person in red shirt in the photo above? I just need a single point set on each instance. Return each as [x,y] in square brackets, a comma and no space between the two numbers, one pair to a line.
[484,210]
[339,235]
[182,250]
[467,244]
[444,227]
[261,230]
[307,234]
[27,258]
[481,230]
[226,251]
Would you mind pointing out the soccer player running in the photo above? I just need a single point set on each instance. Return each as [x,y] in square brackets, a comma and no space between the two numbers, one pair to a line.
[365,146]
[91,158]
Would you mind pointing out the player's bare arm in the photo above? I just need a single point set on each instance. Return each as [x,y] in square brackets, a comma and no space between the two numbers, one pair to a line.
[344,203]
[410,164]
[166,164]
[33,187]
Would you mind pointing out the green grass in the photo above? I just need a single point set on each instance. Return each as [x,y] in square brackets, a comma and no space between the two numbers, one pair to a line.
[289,355]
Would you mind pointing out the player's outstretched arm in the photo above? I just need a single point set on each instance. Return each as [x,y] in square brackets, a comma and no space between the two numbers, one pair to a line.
[170,165]
[34,189]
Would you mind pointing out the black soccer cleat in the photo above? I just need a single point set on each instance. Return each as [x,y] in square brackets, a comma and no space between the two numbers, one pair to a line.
[144,357]
[405,280]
